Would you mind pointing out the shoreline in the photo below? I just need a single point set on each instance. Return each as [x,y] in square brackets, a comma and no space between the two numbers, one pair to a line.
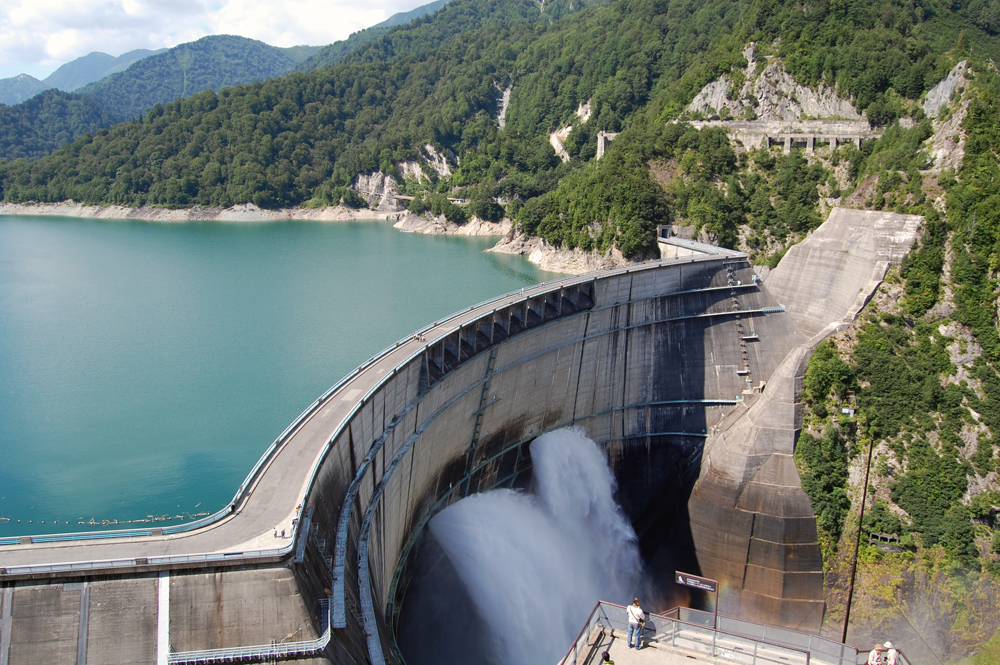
[246,212]
[509,240]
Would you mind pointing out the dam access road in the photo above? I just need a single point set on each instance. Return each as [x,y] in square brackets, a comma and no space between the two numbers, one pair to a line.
[686,369]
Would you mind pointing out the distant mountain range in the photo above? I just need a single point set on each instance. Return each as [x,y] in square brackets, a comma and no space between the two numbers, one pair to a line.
[211,62]
[97,90]
[69,77]
[53,118]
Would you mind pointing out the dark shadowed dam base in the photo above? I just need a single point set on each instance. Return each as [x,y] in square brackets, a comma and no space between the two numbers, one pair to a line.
[685,372]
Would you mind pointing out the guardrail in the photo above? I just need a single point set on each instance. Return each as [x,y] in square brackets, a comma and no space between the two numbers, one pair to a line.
[670,630]
[261,652]
[169,560]
[821,649]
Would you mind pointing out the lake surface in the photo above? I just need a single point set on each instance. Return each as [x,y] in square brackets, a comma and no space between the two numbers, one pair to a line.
[144,367]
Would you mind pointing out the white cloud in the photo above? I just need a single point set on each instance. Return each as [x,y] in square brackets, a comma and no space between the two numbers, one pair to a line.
[37,36]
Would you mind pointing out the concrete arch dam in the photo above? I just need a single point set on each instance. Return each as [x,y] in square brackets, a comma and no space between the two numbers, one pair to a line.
[685,370]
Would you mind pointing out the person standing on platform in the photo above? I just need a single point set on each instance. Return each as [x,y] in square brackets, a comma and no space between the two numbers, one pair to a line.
[875,656]
[891,655]
[636,619]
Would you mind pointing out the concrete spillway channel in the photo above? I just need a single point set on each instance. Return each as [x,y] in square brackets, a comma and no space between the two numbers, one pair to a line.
[685,370]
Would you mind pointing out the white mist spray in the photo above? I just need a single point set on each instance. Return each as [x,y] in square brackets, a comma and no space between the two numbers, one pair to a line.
[534,565]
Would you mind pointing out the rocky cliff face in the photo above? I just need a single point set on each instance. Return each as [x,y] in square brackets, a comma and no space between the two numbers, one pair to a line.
[411,223]
[939,96]
[771,94]
[547,257]
[379,190]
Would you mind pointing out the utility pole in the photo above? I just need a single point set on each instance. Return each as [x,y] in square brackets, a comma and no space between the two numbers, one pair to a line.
[857,543]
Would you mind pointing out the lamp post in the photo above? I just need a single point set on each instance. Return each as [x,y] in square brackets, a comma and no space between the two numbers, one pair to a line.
[857,543]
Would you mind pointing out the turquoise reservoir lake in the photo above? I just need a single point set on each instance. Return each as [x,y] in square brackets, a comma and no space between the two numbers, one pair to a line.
[144,367]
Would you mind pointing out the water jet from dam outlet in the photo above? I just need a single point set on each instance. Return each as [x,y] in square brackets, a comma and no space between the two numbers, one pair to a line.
[533,565]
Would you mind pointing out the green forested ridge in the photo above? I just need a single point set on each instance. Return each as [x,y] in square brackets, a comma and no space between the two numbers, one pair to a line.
[52,118]
[16,89]
[92,67]
[330,55]
[69,77]
[211,62]
[897,369]
[35,128]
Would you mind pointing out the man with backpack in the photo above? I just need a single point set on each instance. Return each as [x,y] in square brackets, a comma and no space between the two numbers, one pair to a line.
[636,621]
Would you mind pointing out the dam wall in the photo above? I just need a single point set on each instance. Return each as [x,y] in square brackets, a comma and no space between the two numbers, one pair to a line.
[646,360]
[687,371]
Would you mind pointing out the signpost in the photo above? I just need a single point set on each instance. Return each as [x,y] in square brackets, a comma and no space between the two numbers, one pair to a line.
[705,584]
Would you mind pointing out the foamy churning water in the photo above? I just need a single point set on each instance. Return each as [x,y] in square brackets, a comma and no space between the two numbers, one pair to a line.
[535,564]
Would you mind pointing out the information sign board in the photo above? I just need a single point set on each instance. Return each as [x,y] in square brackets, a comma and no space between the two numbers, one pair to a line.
[703,583]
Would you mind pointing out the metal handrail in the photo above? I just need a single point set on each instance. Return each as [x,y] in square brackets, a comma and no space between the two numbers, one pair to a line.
[274,651]
[175,559]
[598,614]
[811,638]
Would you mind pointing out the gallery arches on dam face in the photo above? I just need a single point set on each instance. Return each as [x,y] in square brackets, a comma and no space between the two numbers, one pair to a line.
[646,362]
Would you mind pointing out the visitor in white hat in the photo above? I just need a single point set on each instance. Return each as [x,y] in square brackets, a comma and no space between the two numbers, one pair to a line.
[891,654]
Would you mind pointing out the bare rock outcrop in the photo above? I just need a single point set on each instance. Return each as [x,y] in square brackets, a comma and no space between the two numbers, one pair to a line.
[946,146]
[378,190]
[545,256]
[772,94]
[939,96]
[440,226]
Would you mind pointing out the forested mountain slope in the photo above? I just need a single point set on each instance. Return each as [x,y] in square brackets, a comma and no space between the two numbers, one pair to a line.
[303,138]
[93,67]
[334,53]
[37,127]
[53,118]
[211,62]
[69,77]
[16,89]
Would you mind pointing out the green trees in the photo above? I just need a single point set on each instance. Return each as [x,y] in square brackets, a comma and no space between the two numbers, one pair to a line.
[826,371]
[209,63]
[47,121]
[823,469]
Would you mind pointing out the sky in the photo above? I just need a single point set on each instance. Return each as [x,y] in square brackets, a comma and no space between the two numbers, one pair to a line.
[37,36]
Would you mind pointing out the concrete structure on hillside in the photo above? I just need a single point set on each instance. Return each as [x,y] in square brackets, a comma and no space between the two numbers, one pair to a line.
[604,139]
[664,364]
[748,523]
[755,134]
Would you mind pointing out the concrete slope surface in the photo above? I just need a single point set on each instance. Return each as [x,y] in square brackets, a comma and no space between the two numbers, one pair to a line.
[749,523]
